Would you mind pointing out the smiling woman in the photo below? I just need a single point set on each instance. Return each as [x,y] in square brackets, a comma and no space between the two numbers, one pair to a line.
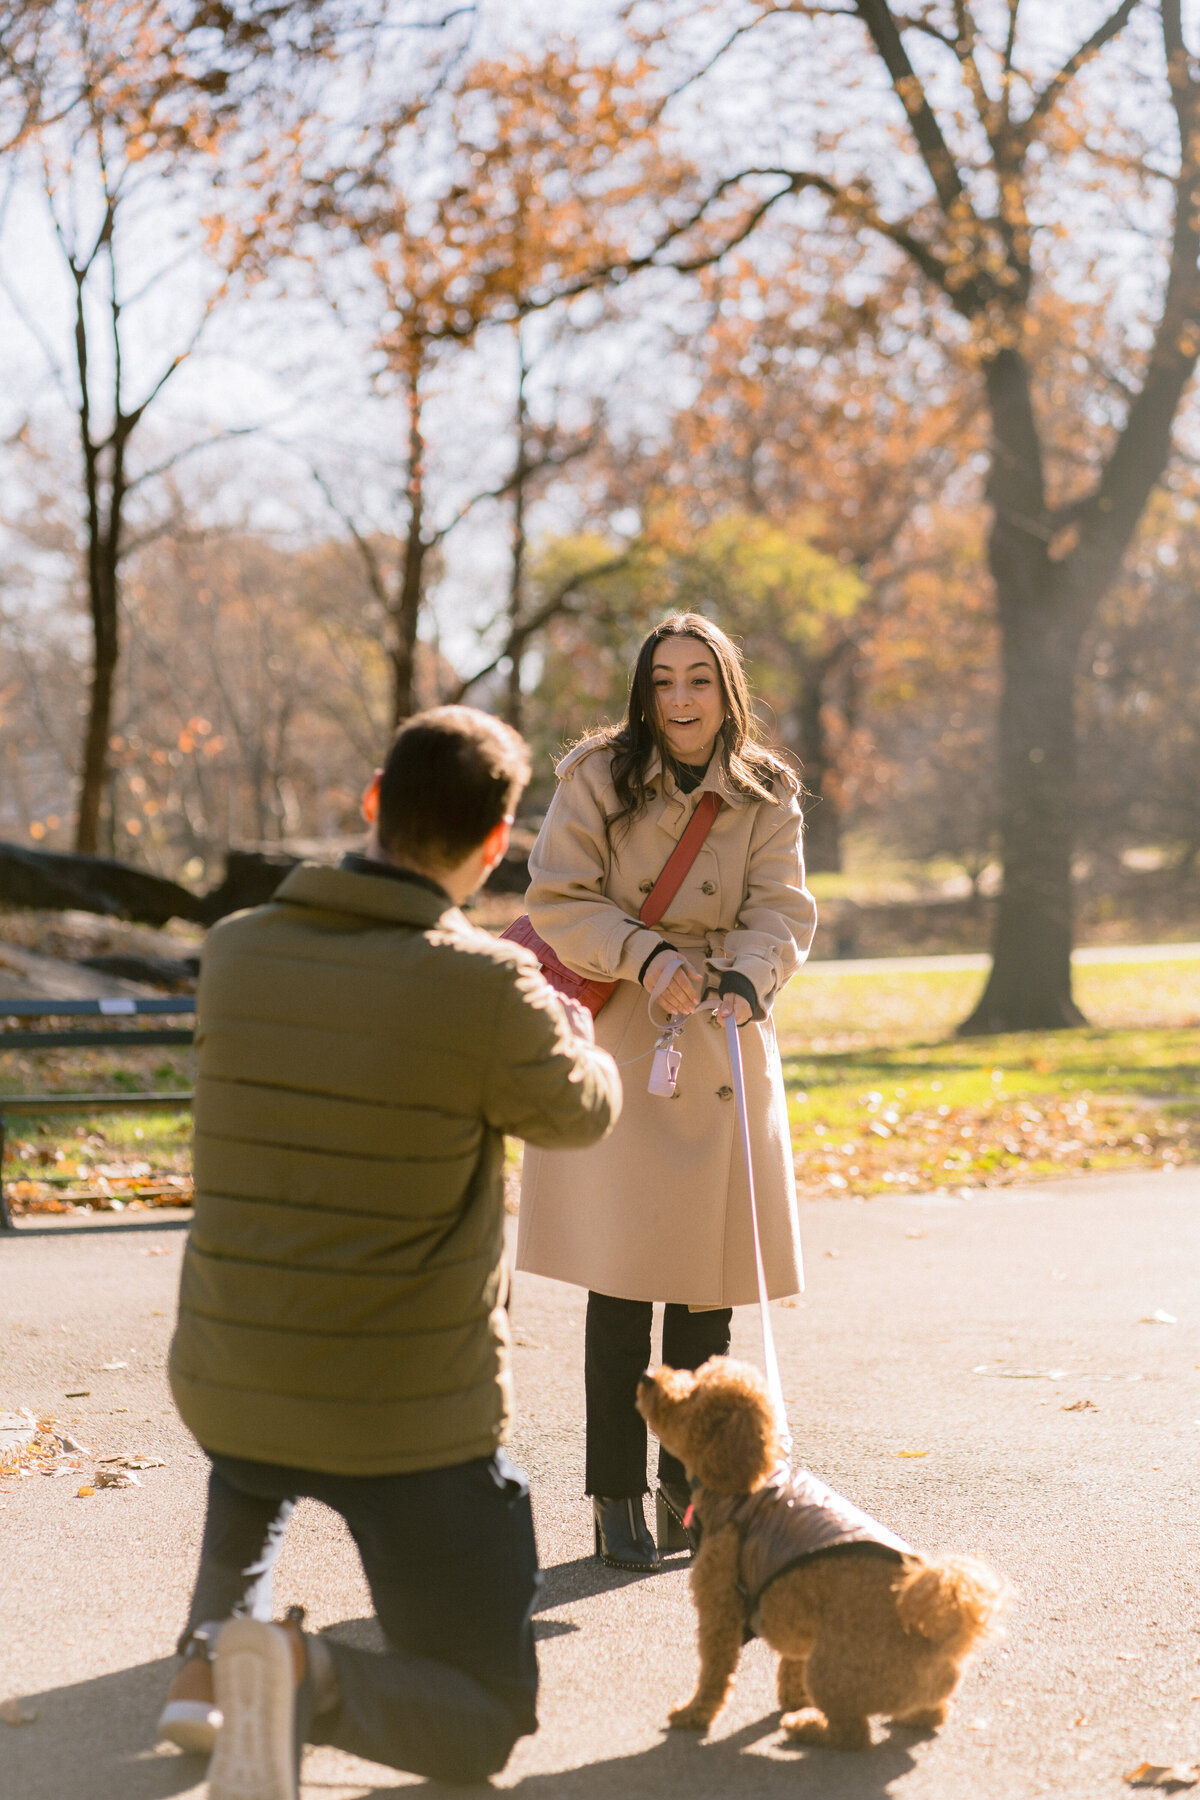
[660,1210]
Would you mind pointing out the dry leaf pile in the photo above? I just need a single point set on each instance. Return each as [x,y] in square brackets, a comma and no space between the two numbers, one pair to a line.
[54,1452]
[72,1184]
[51,1451]
[990,1145]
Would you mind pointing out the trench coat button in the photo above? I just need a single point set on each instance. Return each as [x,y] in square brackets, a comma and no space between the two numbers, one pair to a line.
[706,887]
[724,1093]
[645,887]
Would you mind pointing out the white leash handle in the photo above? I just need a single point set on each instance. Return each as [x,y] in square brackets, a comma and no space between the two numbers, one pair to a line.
[770,1360]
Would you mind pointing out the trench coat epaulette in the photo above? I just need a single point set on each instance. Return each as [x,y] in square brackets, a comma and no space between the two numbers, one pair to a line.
[566,767]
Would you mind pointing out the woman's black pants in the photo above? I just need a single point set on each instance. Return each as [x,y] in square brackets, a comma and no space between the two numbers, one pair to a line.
[616,1351]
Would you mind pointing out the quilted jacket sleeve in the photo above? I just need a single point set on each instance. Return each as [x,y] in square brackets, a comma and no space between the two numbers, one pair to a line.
[545,1083]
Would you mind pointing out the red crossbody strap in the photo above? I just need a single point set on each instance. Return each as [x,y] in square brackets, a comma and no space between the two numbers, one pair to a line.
[681,858]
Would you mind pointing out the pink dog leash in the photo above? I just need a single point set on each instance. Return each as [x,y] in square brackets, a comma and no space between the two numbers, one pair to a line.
[770,1360]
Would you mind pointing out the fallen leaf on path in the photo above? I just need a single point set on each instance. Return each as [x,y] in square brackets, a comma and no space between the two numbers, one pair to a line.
[118,1478]
[133,1462]
[1164,1775]
[1159,1317]
[85,1493]
[78,1394]
[916,1234]
[114,1365]
[912,1453]
[18,1712]
[1082,1406]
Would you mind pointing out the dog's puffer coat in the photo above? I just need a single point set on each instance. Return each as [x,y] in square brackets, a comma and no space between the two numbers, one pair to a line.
[362,1051]
[790,1518]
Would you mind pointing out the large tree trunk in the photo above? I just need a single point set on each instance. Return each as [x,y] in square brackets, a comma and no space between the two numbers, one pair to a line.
[1029,988]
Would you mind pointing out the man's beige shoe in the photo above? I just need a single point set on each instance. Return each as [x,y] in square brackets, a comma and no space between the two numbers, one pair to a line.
[256,1672]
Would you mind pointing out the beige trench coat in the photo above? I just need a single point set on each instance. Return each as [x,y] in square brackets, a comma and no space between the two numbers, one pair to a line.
[660,1209]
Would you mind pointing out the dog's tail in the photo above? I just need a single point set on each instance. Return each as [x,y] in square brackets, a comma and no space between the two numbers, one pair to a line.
[953,1602]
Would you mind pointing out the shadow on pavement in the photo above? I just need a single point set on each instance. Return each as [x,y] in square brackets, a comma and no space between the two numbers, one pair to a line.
[587,1576]
[682,1767]
[97,1738]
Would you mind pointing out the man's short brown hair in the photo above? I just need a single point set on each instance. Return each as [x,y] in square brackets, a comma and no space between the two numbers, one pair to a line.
[451,775]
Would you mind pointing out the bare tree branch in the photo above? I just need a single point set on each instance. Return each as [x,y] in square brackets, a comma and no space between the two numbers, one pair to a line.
[935,153]
[1058,83]
[370,560]
[535,621]
[1109,515]
[171,462]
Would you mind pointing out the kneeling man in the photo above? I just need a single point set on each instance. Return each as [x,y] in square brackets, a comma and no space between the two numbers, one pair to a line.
[342,1328]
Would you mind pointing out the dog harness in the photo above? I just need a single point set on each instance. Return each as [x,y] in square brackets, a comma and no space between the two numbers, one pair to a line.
[791,1519]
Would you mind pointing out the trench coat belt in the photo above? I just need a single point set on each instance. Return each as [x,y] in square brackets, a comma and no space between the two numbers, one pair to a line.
[711,942]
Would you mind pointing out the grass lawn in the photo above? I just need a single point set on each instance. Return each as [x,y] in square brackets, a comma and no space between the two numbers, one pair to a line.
[884,1098]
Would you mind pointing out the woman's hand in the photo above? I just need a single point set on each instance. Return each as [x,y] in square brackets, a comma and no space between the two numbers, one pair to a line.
[682,992]
[737,1007]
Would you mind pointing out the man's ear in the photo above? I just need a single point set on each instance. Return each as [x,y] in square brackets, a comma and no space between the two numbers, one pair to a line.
[370,799]
[496,843]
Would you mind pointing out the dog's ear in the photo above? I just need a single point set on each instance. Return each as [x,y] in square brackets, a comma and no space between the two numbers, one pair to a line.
[732,1437]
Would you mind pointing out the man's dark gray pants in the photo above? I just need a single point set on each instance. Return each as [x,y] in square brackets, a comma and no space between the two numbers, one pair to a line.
[451,1563]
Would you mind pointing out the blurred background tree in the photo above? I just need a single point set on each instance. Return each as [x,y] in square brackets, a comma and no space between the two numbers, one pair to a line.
[392,352]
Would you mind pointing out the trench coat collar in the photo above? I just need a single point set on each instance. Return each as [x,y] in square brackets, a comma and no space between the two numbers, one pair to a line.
[678,807]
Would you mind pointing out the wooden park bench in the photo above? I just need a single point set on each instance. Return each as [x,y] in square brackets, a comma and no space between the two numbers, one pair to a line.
[85,1037]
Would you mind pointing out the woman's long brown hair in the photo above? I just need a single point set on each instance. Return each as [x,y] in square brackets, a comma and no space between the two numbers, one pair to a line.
[749,766]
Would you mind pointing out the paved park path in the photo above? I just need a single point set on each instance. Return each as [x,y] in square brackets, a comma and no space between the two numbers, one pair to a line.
[935,1372]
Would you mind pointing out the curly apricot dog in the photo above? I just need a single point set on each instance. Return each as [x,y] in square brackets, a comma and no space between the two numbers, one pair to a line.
[862,1623]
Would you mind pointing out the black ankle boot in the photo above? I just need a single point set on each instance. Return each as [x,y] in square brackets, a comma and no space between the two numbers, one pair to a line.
[622,1540]
[671,1505]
